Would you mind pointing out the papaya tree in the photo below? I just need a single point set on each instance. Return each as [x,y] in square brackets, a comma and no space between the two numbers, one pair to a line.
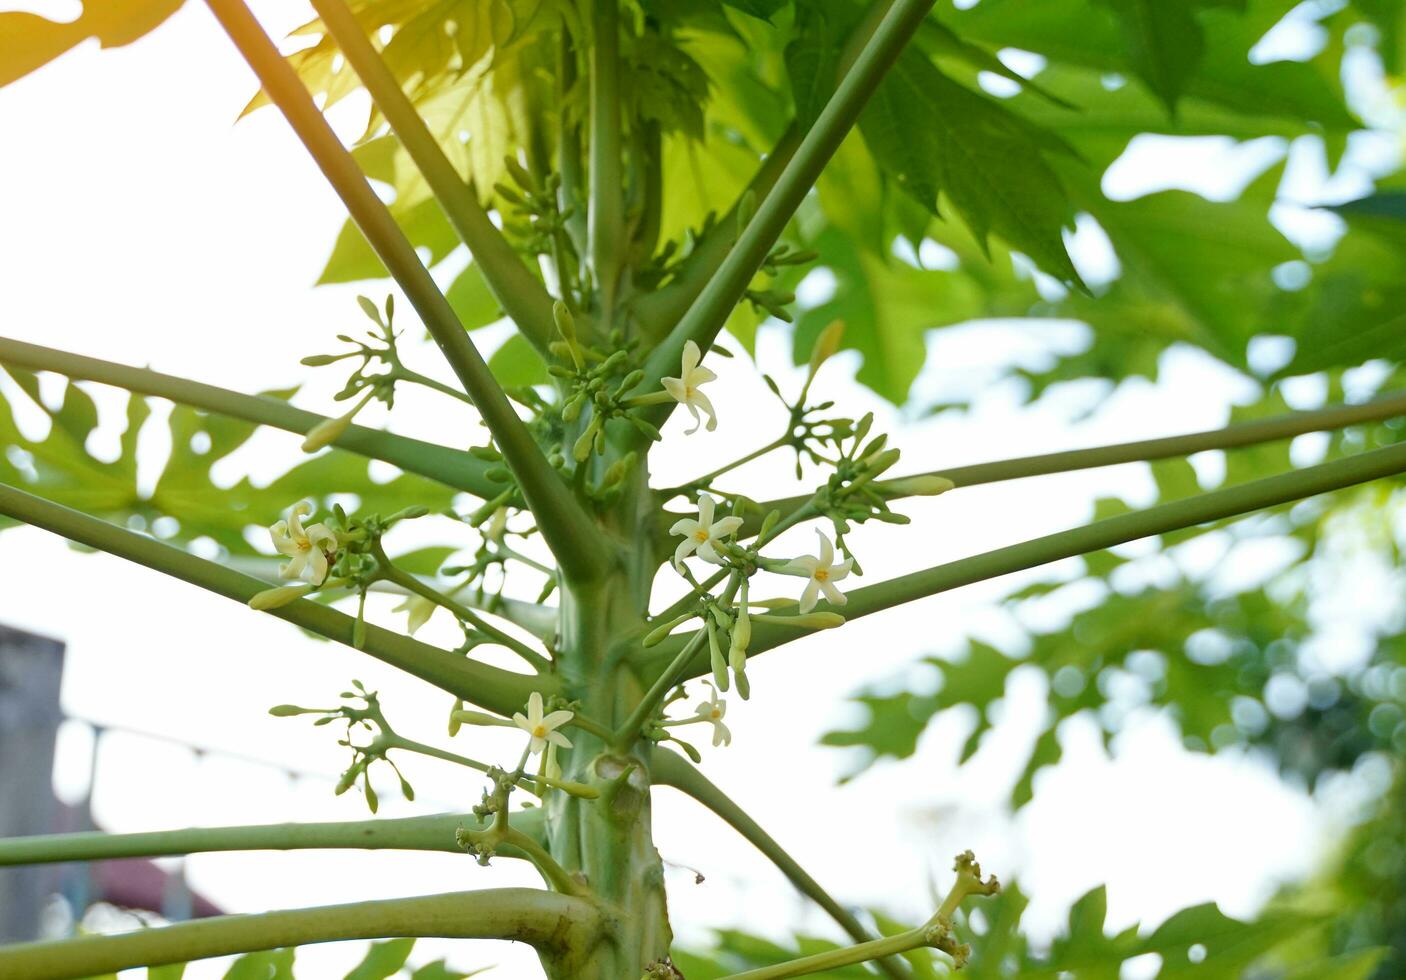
[638,181]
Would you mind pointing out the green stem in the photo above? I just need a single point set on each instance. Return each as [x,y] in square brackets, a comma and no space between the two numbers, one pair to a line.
[410,583]
[725,289]
[391,740]
[448,466]
[567,528]
[862,953]
[434,833]
[554,873]
[517,291]
[488,687]
[571,198]
[414,377]
[1162,519]
[605,219]
[708,478]
[648,704]
[670,769]
[1230,437]
[546,920]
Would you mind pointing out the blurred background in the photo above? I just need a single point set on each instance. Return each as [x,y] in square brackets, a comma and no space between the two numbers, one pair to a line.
[1211,718]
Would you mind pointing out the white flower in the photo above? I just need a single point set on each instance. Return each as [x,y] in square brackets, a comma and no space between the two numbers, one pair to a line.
[307,548]
[685,388]
[703,535]
[418,611]
[543,730]
[712,712]
[822,572]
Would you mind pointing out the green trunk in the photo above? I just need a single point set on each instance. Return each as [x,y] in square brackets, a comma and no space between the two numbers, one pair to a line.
[609,842]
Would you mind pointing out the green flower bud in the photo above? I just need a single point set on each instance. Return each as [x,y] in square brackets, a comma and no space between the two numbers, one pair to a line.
[276,597]
[919,486]
[566,323]
[289,710]
[326,432]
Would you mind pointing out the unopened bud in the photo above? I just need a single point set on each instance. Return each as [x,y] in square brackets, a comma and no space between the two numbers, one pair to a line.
[918,486]
[566,323]
[276,597]
[326,432]
[289,710]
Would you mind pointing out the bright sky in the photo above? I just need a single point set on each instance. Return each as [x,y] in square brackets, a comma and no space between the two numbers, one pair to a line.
[143,226]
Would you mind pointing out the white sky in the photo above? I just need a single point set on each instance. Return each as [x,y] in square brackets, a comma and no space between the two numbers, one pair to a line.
[141,225]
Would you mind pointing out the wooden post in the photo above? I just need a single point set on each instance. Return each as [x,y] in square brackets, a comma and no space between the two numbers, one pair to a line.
[31,668]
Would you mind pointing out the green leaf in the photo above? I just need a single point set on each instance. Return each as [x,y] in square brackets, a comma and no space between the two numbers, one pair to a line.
[1080,33]
[1361,965]
[763,9]
[171,971]
[1194,270]
[383,960]
[438,971]
[471,299]
[517,363]
[1383,204]
[813,57]
[269,964]
[423,561]
[1163,41]
[931,135]
[28,41]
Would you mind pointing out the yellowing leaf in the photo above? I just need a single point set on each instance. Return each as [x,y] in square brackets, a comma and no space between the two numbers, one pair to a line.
[28,41]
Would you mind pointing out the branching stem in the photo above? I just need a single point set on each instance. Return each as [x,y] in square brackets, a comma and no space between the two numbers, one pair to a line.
[448,466]
[489,687]
[1144,450]
[547,920]
[670,769]
[434,833]
[574,538]
[410,583]
[1201,509]
[726,287]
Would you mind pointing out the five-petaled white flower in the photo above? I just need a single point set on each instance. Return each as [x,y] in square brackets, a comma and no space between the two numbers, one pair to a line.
[543,729]
[704,534]
[822,572]
[712,712]
[307,548]
[685,388]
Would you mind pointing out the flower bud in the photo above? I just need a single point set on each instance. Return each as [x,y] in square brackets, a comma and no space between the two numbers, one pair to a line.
[289,710]
[280,596]
[877,464]
[657,635]
[327,432]
[566,323]
[919,486]
[479,718]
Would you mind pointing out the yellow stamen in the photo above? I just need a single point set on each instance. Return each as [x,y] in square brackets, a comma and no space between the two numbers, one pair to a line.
[822,574]
[700,535]
[540,731]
